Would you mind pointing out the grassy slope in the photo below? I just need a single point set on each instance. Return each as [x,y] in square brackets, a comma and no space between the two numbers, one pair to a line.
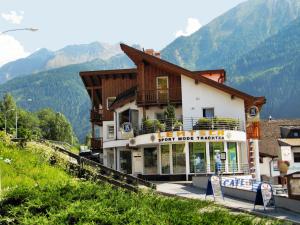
[36,193]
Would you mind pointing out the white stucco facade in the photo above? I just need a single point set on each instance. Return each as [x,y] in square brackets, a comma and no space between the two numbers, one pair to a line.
[195,97]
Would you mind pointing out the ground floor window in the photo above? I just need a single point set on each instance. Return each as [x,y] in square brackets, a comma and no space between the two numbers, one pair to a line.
[232,156]
[110,158]
[197,152]
[125,162]
[215,149]
[165,159]
[150,160]
[297,157]
[178,157]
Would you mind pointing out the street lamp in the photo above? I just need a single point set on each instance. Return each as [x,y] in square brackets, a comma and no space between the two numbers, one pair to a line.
[28,29]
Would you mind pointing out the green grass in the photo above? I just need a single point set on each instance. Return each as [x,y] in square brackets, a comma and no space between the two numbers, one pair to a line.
[37,193]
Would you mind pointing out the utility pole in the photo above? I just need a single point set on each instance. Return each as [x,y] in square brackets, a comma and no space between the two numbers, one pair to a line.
[16,123]
[5,119]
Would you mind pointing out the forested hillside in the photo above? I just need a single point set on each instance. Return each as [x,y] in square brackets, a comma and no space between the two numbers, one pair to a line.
[62,90]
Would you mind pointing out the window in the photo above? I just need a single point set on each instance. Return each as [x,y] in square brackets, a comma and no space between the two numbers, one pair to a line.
[165,159]
[150,160]
[197,157]
[162,85]
[124,117]
[296,134]
[160,116]
[178,156]
[110,100]
[232,156]
[208,112]
[125,162]
[297,157]
[110,132]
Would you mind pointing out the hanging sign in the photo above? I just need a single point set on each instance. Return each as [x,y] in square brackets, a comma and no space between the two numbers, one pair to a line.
[253,114]
[264,196]
[126,130]
[214,187]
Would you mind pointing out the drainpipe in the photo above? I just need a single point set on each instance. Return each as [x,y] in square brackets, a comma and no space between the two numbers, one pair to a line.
[270,167]
[116,128]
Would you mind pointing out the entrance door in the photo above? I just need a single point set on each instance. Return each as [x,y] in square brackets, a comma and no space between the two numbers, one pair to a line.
[165,159]
[125,162]
[162,89]
[150,160]
[178,157]
[215,149]
[232,157]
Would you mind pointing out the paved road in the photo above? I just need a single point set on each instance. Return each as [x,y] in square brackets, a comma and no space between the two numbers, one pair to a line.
[185,189]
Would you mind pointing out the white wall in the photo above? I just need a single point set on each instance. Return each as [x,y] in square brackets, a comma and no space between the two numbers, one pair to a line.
[195,97]
[294,167]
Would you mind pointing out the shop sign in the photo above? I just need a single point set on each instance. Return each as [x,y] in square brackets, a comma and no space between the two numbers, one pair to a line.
[126,130]
[253,114]
[264,196]
[199,135]
[214,187]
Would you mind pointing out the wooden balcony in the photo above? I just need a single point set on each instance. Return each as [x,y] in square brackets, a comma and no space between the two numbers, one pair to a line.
[97,116]
[159,96]
[253,130]
[96,143]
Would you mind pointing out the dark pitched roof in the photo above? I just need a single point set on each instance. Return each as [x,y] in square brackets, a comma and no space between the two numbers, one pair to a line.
[124,97]
[138,56]
[270,133]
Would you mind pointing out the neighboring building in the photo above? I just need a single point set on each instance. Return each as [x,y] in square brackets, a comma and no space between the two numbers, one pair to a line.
[161,121]
[280,140]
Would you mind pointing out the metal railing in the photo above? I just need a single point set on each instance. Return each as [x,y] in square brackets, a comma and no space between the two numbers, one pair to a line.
[231,168]
[159,96]
[90,169]
[153,126]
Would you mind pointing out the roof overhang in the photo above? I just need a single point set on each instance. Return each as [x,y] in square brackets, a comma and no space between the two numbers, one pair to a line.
[293,142]
[138,57]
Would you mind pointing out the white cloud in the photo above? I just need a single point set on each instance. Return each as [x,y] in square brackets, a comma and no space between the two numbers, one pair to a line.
[10,49]
[193,25]
[13,16]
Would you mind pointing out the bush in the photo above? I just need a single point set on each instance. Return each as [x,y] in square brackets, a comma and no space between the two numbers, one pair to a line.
[4,137]
[152,126]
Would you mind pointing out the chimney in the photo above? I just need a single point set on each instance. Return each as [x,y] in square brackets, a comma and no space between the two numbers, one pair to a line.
[152,52]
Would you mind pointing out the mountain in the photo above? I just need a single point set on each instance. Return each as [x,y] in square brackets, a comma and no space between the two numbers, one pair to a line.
[45,59]
[272,69]
[31,64]
[62,90]
[232,34]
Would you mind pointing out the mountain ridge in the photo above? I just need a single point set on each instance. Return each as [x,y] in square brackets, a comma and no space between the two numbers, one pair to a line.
[44,59]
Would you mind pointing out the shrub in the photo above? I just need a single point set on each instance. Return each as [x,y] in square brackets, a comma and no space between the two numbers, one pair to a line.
[4,137]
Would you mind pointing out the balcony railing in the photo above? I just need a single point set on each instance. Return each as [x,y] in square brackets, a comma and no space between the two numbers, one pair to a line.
[159,96]
[230,168]
[153,126]
[96,143]
[96,115]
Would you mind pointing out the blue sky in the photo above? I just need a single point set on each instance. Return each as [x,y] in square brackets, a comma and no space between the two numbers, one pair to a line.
[152,24]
